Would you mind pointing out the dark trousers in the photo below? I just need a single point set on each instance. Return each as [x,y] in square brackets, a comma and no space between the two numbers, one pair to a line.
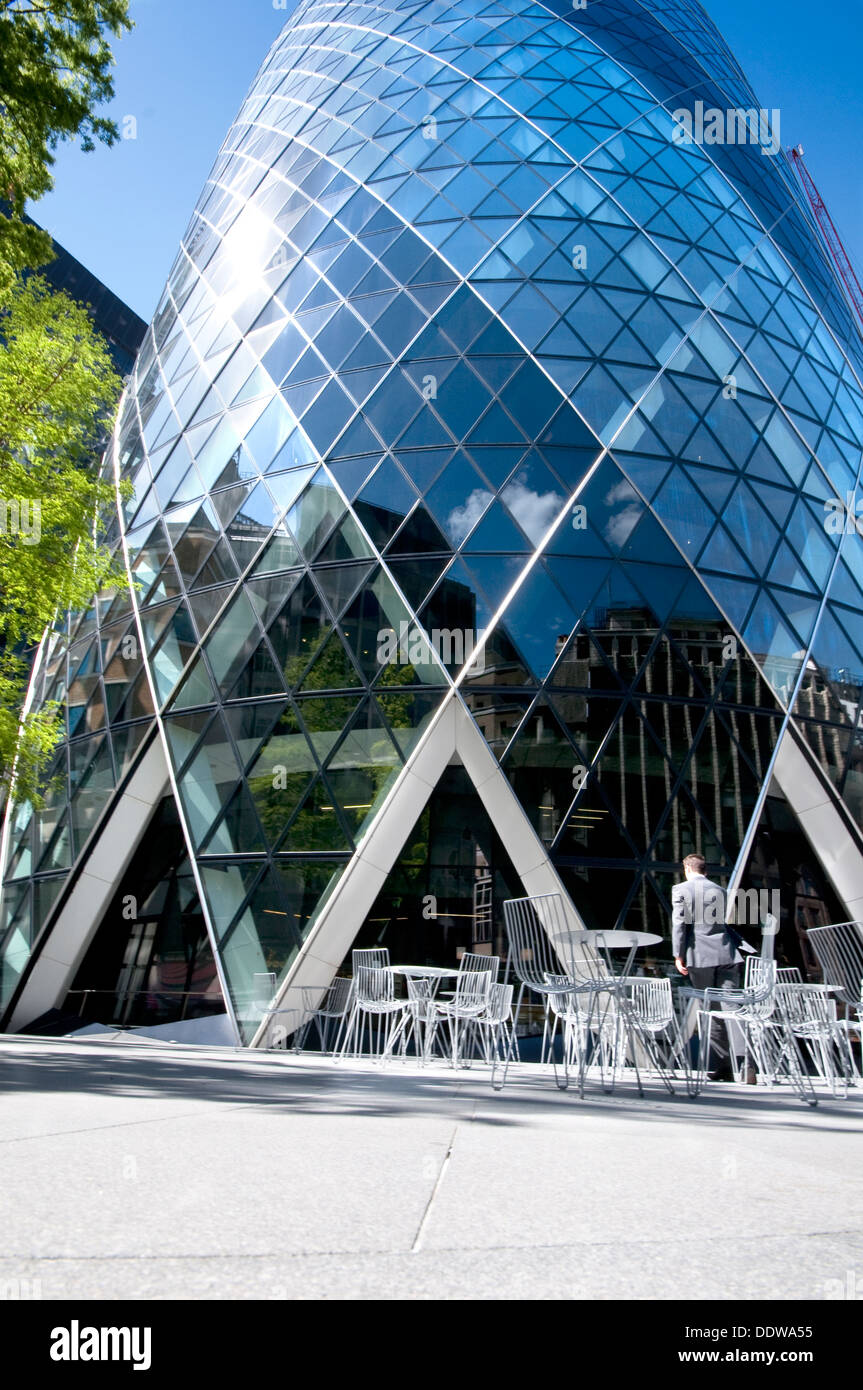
[714,977]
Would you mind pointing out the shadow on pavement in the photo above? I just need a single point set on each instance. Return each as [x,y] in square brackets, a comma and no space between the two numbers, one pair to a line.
[318,1086]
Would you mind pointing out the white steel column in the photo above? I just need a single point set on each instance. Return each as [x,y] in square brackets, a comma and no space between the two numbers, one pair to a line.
[58,960]
[814,806]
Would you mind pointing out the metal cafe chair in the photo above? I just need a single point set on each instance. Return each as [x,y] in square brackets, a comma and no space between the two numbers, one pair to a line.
[810,1015]
[652,1003]
[749,1008]
[378,958]
[566,1009]
[839,951]
[623,1031]
[331,1009]
[374,999]
[263,990]
[767,1036]
[689,999]
[492,1033]
[420,992]
[499,1025]
[823,1015]
[547,961]
[476,975]
[282,1023]
[636,1027]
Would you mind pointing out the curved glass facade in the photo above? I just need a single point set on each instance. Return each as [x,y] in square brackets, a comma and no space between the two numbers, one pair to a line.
[470,382]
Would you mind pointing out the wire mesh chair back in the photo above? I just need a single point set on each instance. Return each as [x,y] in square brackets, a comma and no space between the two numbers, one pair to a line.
[322,1008]
[788,975]
[542,944]
[839,951]
[336,999]
[472,990]
[806,1008]
[420,995]
[376,987]
[473,961]
[376,956]
[500,1003]
[565,1004]
[652,1002]
[759,988]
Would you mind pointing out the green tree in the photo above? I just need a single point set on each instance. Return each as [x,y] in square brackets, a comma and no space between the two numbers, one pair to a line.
[55,70]
[57,388]
[57,385]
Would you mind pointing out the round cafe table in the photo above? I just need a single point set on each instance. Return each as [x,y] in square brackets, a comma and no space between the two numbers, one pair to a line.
[435,974]
[615,939]
[603,942]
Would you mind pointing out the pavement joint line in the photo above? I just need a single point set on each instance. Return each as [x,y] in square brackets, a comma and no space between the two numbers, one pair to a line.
[417,1245]
[132,1124]
[214,1108]
[362,1253]
[219,1111]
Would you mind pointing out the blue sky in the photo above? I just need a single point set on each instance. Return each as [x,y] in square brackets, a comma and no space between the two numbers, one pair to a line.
[185,69]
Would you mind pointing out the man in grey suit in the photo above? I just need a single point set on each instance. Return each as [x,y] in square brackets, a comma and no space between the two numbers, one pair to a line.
[705,948]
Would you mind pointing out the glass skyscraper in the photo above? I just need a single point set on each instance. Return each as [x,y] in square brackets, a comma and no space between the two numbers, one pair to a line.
[494,449]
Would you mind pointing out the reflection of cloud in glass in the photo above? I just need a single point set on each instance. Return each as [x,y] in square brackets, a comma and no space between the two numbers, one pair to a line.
[463,519]
[619,527]
[534,511]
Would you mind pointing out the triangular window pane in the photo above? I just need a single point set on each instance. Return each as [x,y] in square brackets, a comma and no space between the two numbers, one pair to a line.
[317,825]
[332,669]
[237,832]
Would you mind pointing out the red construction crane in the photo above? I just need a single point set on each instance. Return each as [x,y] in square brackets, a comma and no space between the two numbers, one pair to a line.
[830,234]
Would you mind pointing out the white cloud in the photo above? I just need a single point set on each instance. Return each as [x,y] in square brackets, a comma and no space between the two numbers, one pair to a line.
[463,519]
[534,511]
[619,527]
[621,492]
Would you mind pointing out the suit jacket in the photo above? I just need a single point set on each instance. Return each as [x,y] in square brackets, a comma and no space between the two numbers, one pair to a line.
[699,934]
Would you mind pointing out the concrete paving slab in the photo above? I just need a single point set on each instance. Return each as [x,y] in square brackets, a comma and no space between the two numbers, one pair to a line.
[143,1172]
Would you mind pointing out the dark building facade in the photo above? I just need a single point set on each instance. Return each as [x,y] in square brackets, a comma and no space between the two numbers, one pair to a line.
[118,324]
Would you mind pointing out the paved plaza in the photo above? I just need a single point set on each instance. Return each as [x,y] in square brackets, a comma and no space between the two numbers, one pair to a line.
[145,1171]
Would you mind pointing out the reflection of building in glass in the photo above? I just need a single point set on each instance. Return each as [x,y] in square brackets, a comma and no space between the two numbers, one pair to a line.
[382,389]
